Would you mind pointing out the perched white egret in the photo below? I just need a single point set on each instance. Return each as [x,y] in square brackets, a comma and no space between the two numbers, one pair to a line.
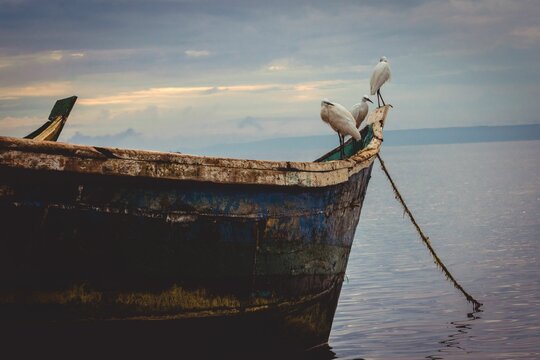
[341,120]
[381,74]
[360,110]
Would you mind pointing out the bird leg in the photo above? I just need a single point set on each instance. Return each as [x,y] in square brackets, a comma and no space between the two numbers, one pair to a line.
[379,94]
[342,150]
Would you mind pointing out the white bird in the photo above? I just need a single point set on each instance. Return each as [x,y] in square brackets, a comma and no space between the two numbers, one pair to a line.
[339,119]
[360,110]
[381,74]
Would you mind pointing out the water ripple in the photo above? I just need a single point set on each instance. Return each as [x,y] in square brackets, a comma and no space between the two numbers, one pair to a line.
[482,218]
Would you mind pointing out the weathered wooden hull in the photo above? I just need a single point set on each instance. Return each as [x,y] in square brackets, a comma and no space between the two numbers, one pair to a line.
[92,235]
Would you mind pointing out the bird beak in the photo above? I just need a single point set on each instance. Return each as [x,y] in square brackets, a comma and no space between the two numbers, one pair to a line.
[328,103]
[369,100]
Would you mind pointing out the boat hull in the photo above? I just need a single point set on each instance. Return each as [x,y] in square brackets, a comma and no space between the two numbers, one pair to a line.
[88,248]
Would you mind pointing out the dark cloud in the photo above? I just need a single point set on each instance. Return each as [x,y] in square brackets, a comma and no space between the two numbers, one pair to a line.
[241,36]
[127,139]
[250,122]
[477,51]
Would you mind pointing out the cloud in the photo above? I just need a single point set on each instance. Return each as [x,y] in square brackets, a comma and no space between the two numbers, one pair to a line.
[197,53]
[35,90]
[128,139]
[250,122]
[278,65]
[146,94]
[276,61]
[527,36]
[40,57]
[176,93]
[19,125]
[11,2]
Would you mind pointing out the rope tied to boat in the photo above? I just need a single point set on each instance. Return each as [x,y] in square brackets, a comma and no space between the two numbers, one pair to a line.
[425,239]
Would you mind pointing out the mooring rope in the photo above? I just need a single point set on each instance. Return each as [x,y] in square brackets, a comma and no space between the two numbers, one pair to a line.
[426,241]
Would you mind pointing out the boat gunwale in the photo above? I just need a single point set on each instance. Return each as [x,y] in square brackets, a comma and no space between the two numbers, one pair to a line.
[14,153]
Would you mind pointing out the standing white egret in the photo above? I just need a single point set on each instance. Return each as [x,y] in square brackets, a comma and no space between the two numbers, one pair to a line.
[341,120]
[381,74]
[360,110]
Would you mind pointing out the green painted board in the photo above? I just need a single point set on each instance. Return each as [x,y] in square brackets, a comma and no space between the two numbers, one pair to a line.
[351,146]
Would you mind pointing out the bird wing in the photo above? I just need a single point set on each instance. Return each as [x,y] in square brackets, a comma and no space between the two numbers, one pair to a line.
[355,111]
[343,121]
[325,116]
[381,74]
[362,115]
[359,112]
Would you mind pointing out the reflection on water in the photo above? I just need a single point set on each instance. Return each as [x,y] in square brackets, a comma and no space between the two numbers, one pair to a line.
[454,340]
[148,340]
[479,204]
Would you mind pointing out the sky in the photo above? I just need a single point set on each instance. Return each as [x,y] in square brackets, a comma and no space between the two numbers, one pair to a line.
[179,75]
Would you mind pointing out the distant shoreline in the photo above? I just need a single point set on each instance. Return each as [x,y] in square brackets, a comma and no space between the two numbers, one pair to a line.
[306,146]
[460,135]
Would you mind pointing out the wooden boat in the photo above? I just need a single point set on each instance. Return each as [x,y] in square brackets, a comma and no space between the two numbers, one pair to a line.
[205,246]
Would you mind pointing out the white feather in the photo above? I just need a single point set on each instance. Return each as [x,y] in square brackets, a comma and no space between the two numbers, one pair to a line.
[381,74]
[339,119]
[359,111]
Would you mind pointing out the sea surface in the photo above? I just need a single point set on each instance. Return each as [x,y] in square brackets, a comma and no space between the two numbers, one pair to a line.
[479,204]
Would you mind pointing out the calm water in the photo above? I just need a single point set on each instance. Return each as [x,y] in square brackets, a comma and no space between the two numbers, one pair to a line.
[480,206]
